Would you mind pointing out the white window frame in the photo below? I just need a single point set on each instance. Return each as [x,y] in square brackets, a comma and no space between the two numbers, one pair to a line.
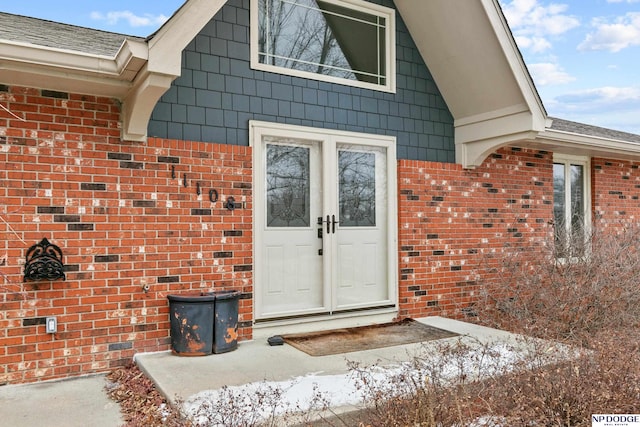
[358,5]
[568,160]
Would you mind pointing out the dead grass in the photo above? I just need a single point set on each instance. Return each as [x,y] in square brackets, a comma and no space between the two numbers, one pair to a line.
[141,404]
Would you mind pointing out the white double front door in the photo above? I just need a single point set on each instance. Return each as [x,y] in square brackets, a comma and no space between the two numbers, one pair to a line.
[324,216]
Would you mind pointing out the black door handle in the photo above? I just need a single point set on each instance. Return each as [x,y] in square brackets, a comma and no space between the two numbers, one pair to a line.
[328,224]
[333,223]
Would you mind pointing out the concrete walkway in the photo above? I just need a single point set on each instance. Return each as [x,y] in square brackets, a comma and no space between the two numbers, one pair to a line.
[77,402]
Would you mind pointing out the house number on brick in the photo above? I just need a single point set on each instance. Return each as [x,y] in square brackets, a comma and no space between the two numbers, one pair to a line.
[214,196]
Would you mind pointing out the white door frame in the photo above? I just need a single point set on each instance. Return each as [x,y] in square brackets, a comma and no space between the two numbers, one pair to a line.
[258,129]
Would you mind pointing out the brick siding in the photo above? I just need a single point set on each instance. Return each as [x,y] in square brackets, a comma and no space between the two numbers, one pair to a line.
[127,216]
[123,223]
[615,186]
[454,224]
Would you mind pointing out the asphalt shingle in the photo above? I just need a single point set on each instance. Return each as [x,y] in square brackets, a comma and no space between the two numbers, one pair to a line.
[23,29]
[589,130]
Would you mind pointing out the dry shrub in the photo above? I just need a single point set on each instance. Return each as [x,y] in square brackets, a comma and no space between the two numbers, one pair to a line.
[603,380]
[573,299]
[264,404]
[590,302]
[454,385]
[439,387]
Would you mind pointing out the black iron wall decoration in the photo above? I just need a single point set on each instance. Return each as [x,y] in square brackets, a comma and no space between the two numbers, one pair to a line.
[44,262]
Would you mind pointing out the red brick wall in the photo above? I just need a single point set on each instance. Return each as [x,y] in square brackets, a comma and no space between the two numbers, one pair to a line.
[125,220]
[615,188]
[455,223]
[122,222]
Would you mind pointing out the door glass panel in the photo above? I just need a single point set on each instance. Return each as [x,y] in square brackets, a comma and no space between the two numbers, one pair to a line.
[357,188]
[288,200]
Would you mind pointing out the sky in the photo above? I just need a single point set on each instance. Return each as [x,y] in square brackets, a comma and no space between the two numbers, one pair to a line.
[583,55]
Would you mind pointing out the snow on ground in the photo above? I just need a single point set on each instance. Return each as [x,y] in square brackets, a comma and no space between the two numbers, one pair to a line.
[251,403]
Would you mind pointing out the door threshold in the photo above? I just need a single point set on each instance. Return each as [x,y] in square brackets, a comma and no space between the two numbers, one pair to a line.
[295,325]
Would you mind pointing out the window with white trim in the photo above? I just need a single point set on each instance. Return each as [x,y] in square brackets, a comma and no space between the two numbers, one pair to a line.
[341,41]
[571,205]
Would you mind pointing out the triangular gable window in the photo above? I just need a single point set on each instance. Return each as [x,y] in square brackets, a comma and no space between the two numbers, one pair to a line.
[348,42]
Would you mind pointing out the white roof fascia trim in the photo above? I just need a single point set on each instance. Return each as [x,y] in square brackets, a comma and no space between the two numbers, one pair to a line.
[131,57]
[58,58]
[62,80]
[573,143]
[130,53]
[166,46]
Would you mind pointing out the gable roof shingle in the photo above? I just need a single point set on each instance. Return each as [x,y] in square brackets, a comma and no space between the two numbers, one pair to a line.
[590,130]
[40,32]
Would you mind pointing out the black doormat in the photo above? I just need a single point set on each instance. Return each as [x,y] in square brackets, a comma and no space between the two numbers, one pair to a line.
[347,340]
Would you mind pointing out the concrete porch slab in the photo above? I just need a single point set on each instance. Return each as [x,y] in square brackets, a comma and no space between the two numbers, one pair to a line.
[179,378]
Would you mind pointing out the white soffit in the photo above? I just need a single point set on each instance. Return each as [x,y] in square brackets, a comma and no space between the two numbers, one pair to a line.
[476,64]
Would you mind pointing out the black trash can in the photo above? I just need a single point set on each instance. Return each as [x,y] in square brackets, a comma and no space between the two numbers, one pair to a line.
[225,331]
[191,319]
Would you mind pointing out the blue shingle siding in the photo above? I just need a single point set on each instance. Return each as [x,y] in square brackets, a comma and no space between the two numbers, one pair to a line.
[218,93]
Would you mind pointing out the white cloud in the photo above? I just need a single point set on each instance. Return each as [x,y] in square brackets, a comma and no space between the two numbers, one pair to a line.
[536,44]
[533,23]
[618,97]
[113,18]
[546,74]
[610,107]
[614,36]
